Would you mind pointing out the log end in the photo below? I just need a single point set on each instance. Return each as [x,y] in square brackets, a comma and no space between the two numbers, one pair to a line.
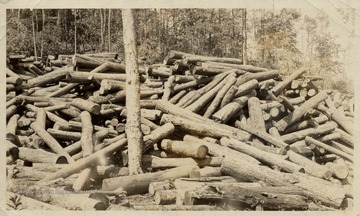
[202,152]
[61,160]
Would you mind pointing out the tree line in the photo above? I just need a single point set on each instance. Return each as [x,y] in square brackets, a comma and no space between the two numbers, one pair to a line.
[262,37]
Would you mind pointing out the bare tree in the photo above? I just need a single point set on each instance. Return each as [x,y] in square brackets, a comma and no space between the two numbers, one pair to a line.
[132,128]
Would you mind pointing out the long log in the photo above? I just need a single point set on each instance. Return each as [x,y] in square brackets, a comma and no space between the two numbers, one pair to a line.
[160,163]
[50,141]
[310,166]
[139,184]
[228,111]
[300,111]
[310,140]
[263,135]
[246,88]
[300,135]
[199,103]
[321,119]
[41,156]
[258,76]
[219,96]
[345,123]
[266,157]
[157,135]
[282,85]
[221,151]
[249,197]
[52,77]
[86,162]
[70,201]
[202,129]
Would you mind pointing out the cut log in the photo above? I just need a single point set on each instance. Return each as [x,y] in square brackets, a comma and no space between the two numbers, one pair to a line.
[306,123]
[186,149]
[157,135]
[246,87]
[160,163]
[258,76]
[282,85]
[266,157]
[166,197]
[64,135]
[300,111]
[333,150]
[52,77]
[346,124]
[175,99]
[65,199]
[50,141]
[310,166]
[41,156]
[157,186]
[86,105]
[339,171]
[86,162]
[229,96]
[221,151]
[341,147]
[300,135]
[139,184]
[228,111]
[249,197]
[203,129]
[12,125]
[199,103]
[263,135]
[219,96]
[345,137]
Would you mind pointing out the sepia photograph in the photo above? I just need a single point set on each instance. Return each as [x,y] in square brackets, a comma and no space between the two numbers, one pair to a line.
[181,109]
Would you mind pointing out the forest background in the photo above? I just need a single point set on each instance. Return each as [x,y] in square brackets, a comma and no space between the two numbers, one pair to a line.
[281,39]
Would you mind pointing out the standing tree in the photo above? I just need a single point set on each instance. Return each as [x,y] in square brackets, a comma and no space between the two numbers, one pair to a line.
[244,42]
[34,34]
[132,128]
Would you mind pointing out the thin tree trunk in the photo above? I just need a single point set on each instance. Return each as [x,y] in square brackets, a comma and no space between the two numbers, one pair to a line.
[34,34]
[244,43]
[101,28]
[75,35]
[19,17]
[42,35]
[109,30]
[133,126]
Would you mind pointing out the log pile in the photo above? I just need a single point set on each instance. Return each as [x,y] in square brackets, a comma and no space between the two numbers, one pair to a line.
[218,135]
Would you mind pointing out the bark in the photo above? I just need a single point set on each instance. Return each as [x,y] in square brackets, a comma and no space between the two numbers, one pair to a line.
[333,150]
[263,135]
[228,111]
[310,166]
[282,85]
[300,111]
[50,141]
[41,156]
[133,129]
[186,149]
[269,201]
[88,161]
[221,151]
[139,184]
[161,163]
[300,135]
[266,157]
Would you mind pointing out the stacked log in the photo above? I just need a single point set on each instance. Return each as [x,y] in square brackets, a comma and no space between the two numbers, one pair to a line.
[216,133]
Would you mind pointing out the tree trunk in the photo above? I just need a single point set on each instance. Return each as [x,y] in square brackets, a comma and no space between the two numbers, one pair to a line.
[42,35]
[133,127]
[34,34]
[244,42]
[109,30]
[139,184]
[75,33]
